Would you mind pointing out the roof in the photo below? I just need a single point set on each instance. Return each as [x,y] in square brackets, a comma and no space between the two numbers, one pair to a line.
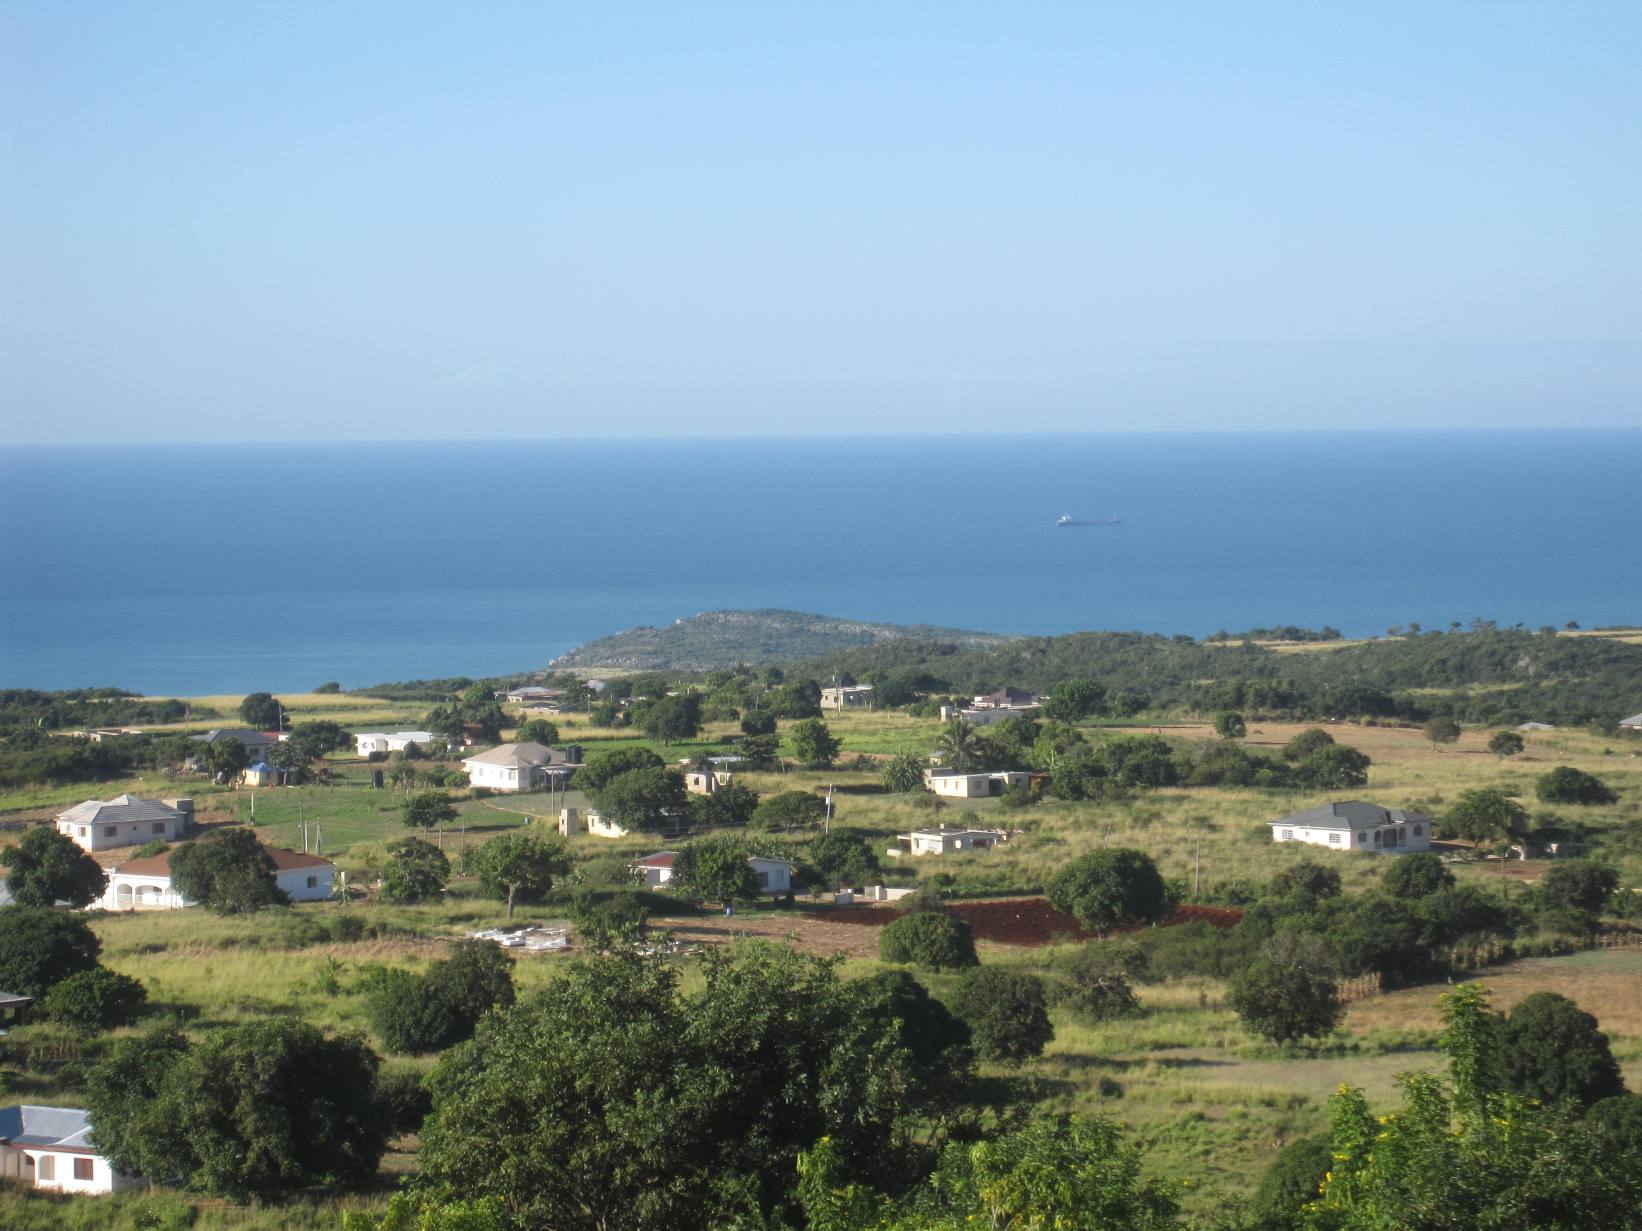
[261,767]
[943,831]
[1349,814]
[243,734]
[160,865]
[534,690]
[1635,720]
[1535,726]
[68,1128]
[661,859]
[1011,696]
[8,999]
[120,808]
[519,755]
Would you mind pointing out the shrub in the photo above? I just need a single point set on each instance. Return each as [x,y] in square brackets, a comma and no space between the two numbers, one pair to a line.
[1006,1012]
[404,1016]
[417,871]
[1505,744]
[790,810]
[1289,992]
[1552,1050]
[1417,876]
[1108,887]
[1307,743]
[1096,980]
[933,940]
[39,948]
[1292,1181]
[96,999]
[904,773]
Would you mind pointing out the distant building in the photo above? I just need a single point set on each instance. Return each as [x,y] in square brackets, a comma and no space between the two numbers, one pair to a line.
[655,871]
[774,875]
[1005,699]
[945,840]
[50,1148]
[145,884]
[1535,726]
[1633,723]
[954,785]
[125,820]
[848,697]
[257,744]
[1356,826]
[514,768]
[533,694]
[368,742]
[706,781]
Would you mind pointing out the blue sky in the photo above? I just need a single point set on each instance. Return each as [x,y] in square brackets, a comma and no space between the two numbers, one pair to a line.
[288,221]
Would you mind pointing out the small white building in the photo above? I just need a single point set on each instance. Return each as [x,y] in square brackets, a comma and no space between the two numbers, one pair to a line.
[954,785]
[1633,723]
[1535,726]
[145,884]
[533,694]
[514,768]
[774,875]
[125,820]
[1356,826]
[706,781]
[945,840]
[601,826]
[847,697]
[368,742]
[50,1148]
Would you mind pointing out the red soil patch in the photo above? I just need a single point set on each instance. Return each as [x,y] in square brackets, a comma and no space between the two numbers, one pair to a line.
[1022,921]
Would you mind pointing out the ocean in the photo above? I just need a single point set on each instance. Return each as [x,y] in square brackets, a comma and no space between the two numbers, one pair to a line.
[230,569]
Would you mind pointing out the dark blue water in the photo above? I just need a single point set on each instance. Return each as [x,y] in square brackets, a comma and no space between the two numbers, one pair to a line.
[173,569]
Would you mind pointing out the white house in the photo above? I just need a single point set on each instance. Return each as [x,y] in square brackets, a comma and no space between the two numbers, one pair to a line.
[944,840]
[1535,726]
[145,884]
[1356,826]
[774,875]
[125,820]
[706,781]
[848,697]
[954,785]
[518,767]
[50,1147]
[1633,723]
[533,694]
[257,744]
[368,742]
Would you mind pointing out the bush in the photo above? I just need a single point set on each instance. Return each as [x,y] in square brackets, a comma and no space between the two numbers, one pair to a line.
[1552,1050]
[933,940]
[96,999]
[1096,980]
[1006,1012]
[404,1098]
[1417,876]
[790,810]
[404,1016]
[1566,785]
[1288,993]
[417,871]
[904,773]
[1108,887]
[39,948]
[1292,1181]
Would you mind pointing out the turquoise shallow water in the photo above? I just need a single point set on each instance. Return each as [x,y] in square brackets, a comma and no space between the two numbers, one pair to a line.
[195,569]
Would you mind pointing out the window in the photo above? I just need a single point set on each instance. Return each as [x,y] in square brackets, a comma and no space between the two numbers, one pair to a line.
[1418,830]
[82,1169]
[82,831]
[313,882]
[1286,835]
[1362,837]
[1334,839]
[159,827]
[47,1167]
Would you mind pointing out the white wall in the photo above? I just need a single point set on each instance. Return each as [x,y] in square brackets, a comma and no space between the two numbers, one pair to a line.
[294,881]
[497,777]
[103,1178]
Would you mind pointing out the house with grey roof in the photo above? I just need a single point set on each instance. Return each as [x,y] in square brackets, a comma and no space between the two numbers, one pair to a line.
[1353,825]
[1633,723]
[50,1148]
[125,820]
[257,744]
[521,767]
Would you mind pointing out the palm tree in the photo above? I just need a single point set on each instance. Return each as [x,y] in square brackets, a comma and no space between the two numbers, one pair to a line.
[958,746]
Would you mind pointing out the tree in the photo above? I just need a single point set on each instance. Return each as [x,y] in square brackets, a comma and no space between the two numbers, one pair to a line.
[843,857]
[226,758]
[614,1100]
[1467,1153]
[940,1061]
[520,867]
[1309,742]
[734,804]
[228,871]
[537,731]
[1291,1182]
[416,871]
[1442,730]
[1552,1050]
[931,939]
[1006,1012]
[1417,876]
[799,699]
[47,866]
[958,747]
[669,720]
[1308,877]
[1505,744]
[716,870]
[790,810]
[475,979]
[1486,814]
[1579,885]
[812,743]
[262,1107]
[405,1018]
[39,948]
[1333,768]
[1289,992]
[1074,700]
[1229,724]
[97,999]
[427,809]
[1096,980]
[1108,887]
[641,798]
[904,773]
[758,722]
[758,751]
[605,767]
[1566,785]
[262,711]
